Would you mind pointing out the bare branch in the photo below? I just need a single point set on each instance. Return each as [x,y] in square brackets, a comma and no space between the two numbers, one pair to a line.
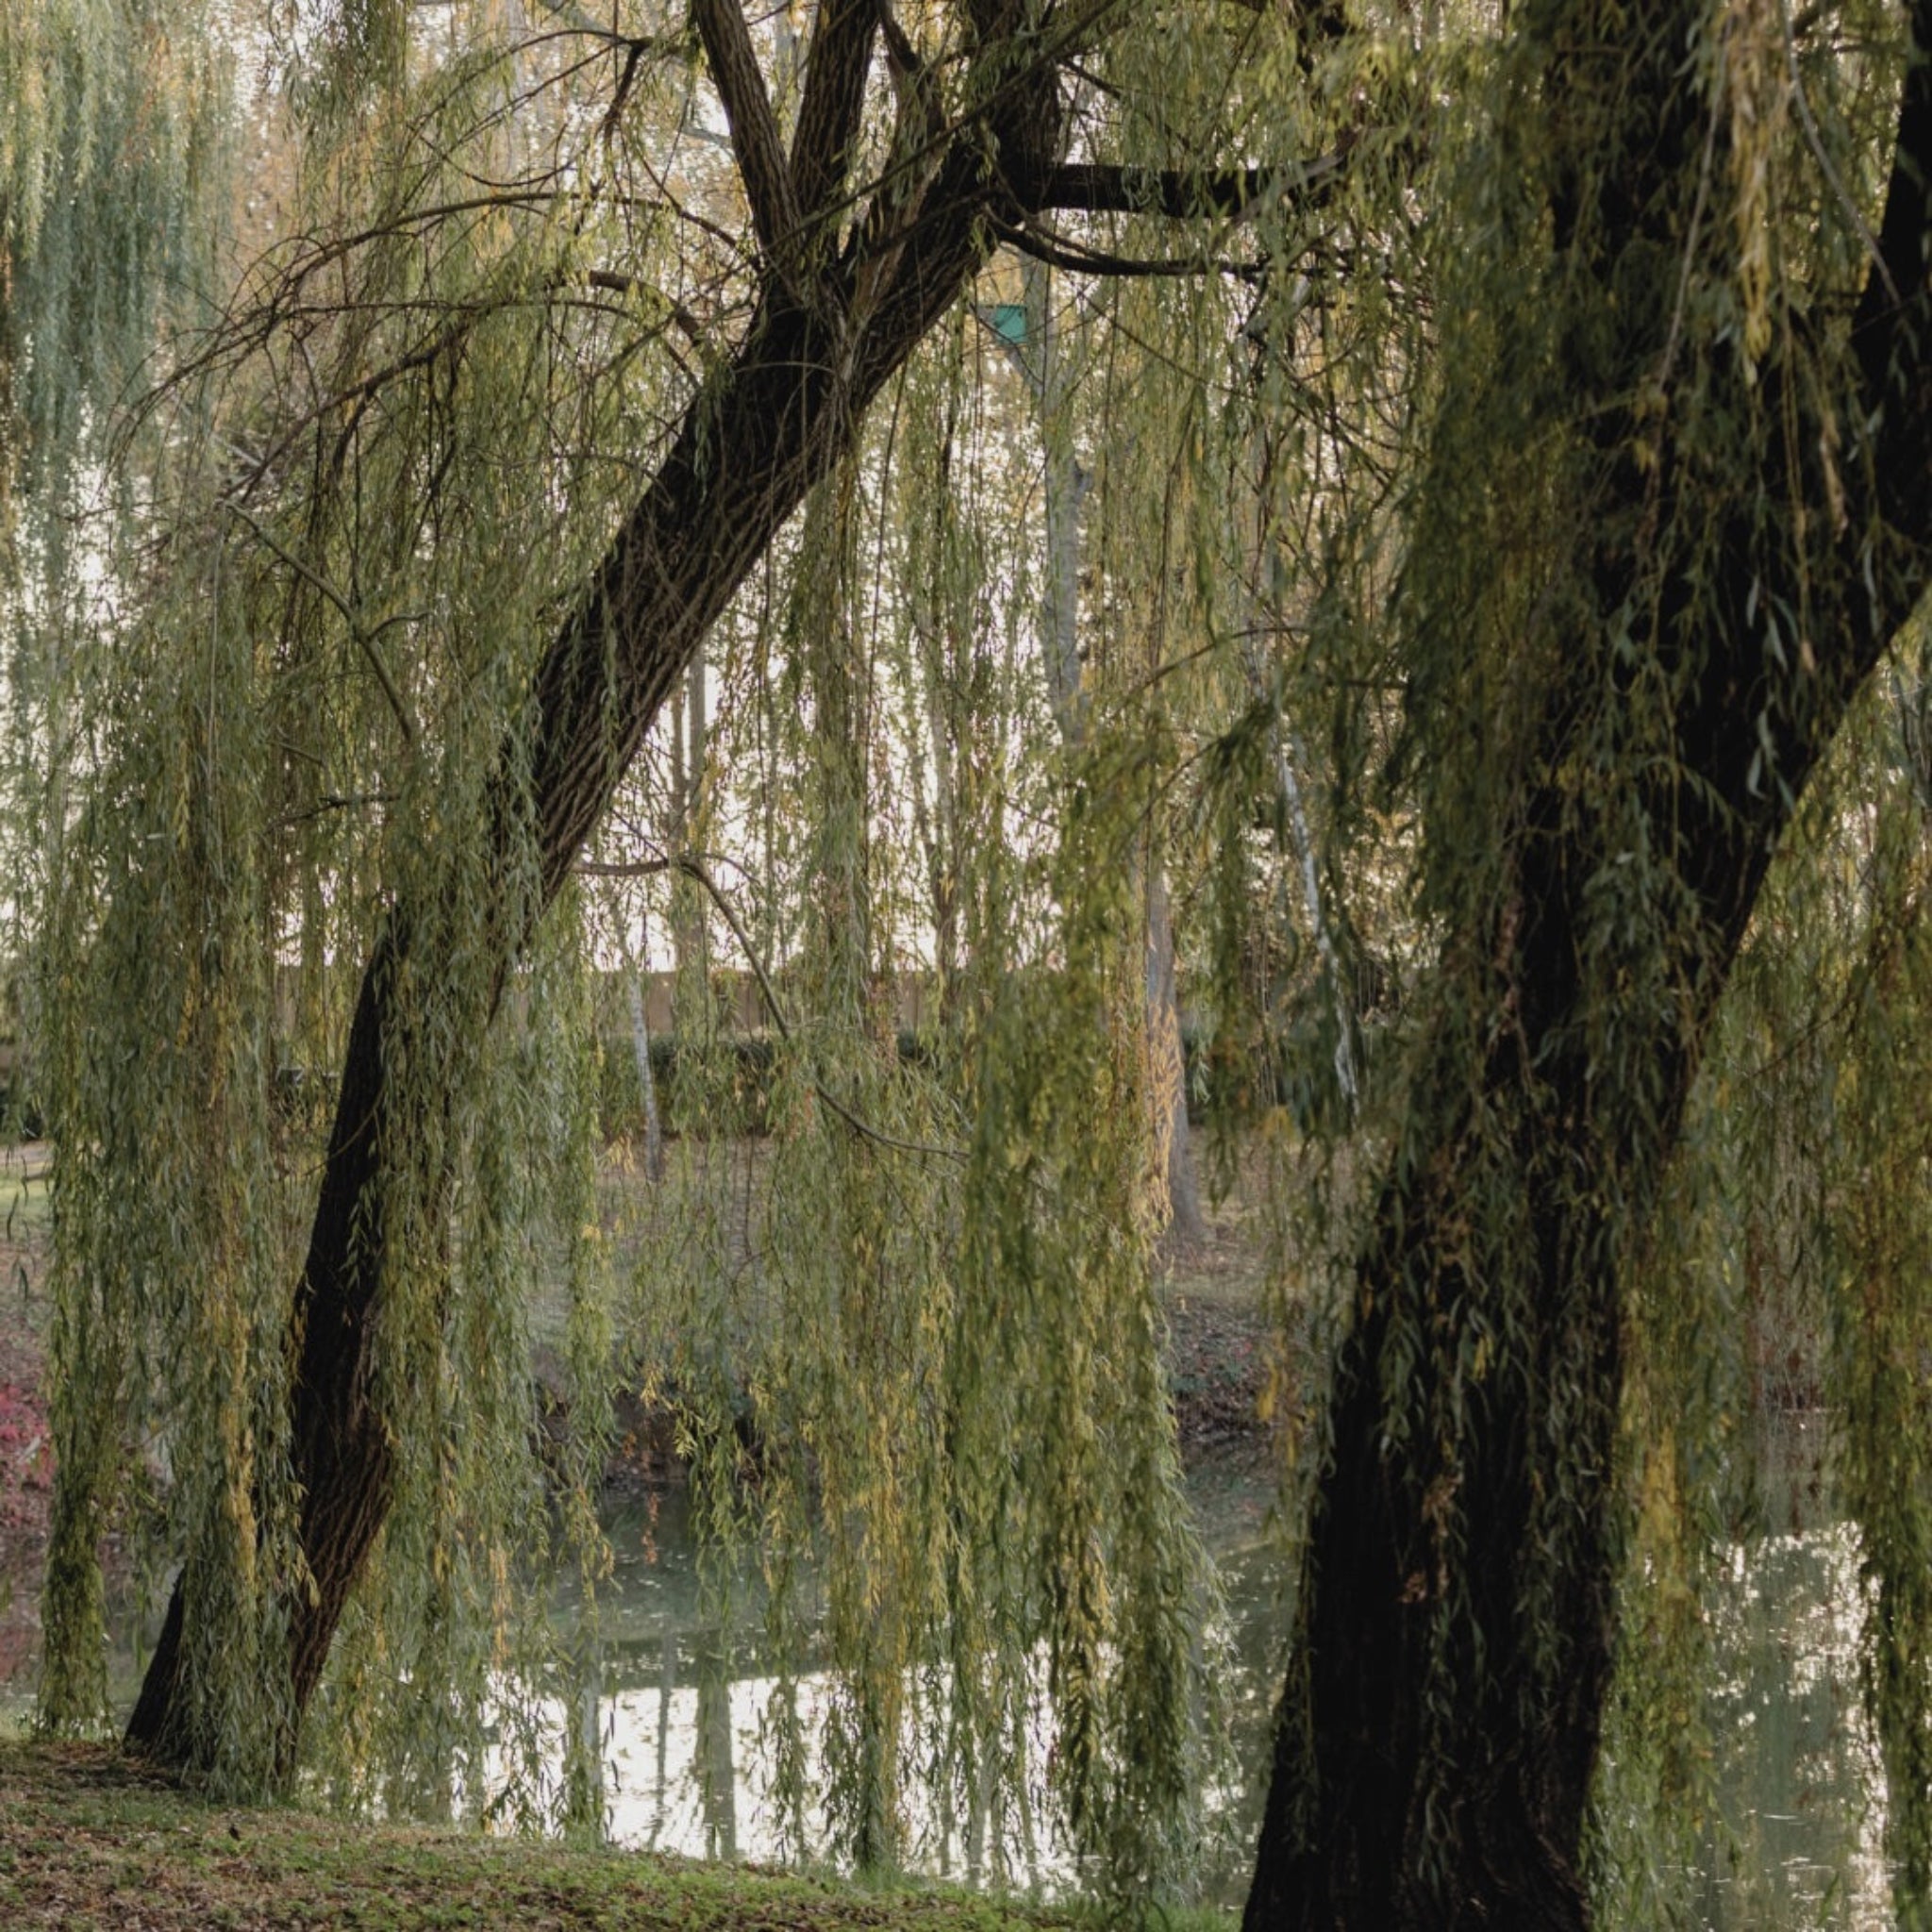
[695,869]
[622,869]
[655,46]
[365,640]
[1098,188]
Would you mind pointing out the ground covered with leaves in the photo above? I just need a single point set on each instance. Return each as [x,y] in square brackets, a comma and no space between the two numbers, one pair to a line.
[88,1837]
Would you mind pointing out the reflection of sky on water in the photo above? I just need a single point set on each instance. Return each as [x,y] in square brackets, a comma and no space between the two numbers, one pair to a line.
[682,1776]
[1797,1845]
[1800,1842]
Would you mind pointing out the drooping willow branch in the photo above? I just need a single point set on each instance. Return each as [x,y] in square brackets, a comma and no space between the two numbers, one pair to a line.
[365,639]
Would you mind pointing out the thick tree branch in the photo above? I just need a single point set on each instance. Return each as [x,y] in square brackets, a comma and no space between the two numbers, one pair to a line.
[828,113]
[1057,252]
[754,142]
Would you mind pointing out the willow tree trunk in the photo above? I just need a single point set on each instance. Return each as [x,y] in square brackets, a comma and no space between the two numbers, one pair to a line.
[828,332]
[1439,1728]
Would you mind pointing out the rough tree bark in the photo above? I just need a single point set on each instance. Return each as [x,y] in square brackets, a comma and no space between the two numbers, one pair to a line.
[1424,1783]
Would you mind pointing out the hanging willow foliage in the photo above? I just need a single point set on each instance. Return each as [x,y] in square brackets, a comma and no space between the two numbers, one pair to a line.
[113,178]
[932,1360]
[1882,1297]
[109,183]
[1562,523]
[1636,590]
[936,1369]
[324,750]
[1777,1336]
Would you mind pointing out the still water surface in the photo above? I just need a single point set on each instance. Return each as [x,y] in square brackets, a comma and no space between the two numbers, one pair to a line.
[1795,1844]
[681,1701]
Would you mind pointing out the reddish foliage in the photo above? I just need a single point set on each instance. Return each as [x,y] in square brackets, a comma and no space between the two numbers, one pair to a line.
[26,1458]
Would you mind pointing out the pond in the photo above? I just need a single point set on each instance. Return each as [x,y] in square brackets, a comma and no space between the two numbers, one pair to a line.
[1794,1842]
[681,1702]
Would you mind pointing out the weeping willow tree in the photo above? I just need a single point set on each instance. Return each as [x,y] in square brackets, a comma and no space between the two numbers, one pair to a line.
[572,324]
[1672,513]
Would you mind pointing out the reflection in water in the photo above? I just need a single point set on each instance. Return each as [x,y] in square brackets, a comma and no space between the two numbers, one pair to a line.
[686,1700]
[1800,1841]
[716,1777]
[671,1700]
[1795,1845]
[1799,1837]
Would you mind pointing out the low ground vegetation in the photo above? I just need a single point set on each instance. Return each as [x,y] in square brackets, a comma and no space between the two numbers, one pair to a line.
[88,1837]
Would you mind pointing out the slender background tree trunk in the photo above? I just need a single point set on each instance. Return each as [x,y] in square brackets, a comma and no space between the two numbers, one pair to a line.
[1042,363]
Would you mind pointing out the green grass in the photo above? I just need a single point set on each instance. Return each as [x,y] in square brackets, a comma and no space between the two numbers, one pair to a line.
[88,1837]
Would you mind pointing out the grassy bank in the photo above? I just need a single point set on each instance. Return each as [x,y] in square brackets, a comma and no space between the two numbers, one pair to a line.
[88,1839]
